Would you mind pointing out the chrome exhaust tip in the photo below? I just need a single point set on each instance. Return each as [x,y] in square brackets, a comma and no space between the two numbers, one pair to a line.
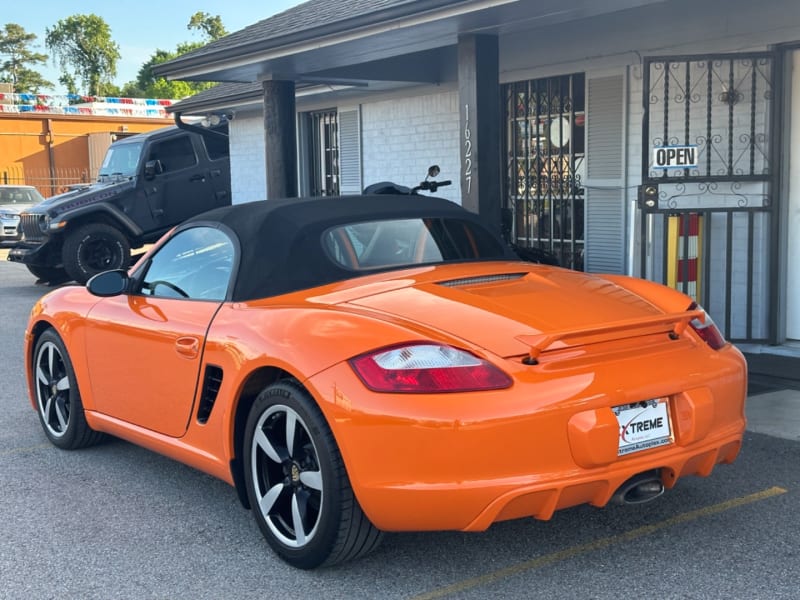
[639,489]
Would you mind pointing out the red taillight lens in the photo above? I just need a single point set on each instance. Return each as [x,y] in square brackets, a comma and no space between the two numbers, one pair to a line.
[427,369]
[707,329]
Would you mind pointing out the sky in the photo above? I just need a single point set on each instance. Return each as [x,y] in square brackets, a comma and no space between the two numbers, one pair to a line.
[139,27]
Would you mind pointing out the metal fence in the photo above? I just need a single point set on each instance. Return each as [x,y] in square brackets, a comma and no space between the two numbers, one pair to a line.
[48,182]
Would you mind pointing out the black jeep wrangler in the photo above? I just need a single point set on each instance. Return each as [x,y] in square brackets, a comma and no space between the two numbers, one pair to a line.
[146,184]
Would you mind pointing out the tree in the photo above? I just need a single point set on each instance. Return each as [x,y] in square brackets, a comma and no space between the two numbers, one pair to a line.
[15,45]
[84,48]
[148,85]
[211,26]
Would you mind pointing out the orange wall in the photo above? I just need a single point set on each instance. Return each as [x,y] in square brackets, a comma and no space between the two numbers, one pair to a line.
[31,155]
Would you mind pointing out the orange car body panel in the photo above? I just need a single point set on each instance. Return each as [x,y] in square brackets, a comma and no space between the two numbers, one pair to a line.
[427,461]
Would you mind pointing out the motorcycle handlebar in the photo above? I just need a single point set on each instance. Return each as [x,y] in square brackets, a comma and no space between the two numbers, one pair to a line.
[431,186]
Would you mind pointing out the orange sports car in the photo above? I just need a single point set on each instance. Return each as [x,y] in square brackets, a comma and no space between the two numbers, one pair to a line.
[363,364]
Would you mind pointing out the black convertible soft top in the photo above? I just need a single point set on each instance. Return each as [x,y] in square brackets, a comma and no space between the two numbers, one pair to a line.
[280,241]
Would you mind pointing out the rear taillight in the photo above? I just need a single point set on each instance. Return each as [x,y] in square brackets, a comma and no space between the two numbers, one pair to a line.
[706,329]
[426,368]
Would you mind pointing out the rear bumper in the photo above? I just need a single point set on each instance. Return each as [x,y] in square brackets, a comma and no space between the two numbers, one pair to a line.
[474,506]
[464,461]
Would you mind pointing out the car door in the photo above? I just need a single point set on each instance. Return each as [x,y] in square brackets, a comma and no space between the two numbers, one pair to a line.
[145,349]
[181,187]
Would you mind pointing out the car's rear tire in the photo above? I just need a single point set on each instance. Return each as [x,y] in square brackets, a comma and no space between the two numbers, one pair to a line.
[58,399]
[48,274]
[94,248]
[297,484]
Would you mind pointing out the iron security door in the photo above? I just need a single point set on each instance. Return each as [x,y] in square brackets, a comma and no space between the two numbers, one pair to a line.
[325,153]
[545,152]
[709,174]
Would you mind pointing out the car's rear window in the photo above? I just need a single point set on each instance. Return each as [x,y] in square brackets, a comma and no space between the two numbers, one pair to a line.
[407,242]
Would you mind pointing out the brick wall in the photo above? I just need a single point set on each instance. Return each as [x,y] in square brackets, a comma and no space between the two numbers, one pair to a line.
[248,168]
[402,137]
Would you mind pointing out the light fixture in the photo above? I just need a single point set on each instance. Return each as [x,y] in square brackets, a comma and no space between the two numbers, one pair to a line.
[730,97]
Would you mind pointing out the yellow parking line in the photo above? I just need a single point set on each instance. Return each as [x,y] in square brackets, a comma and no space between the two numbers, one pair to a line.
[555,557]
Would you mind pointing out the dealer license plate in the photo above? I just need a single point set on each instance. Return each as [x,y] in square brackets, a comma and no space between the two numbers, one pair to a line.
[643,425]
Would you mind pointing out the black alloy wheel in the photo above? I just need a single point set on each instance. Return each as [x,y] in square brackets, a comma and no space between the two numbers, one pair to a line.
[57,397]
[297,484]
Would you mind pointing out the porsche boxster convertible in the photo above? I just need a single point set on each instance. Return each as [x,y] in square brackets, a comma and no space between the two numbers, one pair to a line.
[361,364]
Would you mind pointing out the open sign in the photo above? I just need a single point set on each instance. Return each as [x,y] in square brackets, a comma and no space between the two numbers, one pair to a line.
[675,157]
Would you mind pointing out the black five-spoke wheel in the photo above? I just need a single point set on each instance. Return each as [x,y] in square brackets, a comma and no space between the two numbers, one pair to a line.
[297,485]
[57,396]
[285,463]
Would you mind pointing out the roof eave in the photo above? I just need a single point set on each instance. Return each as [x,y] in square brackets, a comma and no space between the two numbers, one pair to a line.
[196,64]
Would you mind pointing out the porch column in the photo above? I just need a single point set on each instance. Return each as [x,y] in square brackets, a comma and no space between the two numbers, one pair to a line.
[281,138]
[481,126]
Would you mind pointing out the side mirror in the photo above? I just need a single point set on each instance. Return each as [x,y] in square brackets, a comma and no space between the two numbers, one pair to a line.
[153,168]
[108,283]
[433,170]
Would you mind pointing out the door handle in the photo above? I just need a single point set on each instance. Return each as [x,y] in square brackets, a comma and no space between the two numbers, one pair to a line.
[197,178]
[188,347]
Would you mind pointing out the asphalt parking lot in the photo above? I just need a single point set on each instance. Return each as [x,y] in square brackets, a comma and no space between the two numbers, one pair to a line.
[117,521]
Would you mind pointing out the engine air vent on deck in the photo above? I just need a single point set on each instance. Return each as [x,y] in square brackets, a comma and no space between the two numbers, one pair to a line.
[482,279]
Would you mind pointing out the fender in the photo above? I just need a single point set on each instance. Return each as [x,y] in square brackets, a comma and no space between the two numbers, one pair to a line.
[123,221]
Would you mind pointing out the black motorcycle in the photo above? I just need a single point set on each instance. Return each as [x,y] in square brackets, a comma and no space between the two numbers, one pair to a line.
[390,187]
[429,184]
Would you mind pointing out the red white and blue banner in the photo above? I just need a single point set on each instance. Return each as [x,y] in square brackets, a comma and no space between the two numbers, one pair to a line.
[74,104]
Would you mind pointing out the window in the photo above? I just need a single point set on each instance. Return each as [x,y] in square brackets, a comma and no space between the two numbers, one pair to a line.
[121,160]
[196,264]
[216,146]
[545,152]
[324,150]
[175,153]
[408,242]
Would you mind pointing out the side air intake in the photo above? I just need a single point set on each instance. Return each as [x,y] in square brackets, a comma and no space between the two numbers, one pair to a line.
[211,384]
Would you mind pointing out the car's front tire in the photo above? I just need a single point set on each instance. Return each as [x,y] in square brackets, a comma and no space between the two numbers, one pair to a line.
[297,483]
[58,399]
[94,248]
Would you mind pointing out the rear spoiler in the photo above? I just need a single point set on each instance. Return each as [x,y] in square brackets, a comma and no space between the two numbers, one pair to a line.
[673,323]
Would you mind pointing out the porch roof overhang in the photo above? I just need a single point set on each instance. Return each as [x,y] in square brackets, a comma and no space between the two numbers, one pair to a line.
[347,42]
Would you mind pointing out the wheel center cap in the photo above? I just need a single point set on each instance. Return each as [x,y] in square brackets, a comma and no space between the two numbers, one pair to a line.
[295,473]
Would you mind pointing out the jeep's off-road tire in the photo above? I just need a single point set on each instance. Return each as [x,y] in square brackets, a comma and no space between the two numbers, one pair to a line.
[94,248]
[52,275]
[297,483]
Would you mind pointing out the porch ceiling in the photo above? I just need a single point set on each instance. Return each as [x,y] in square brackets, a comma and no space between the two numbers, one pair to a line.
[413,44]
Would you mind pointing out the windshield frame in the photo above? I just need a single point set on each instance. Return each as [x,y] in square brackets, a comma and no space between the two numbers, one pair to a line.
[117,162]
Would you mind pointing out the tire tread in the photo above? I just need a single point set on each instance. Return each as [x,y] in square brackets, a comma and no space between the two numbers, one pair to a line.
[82,435]
[353,535]
[357,535]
